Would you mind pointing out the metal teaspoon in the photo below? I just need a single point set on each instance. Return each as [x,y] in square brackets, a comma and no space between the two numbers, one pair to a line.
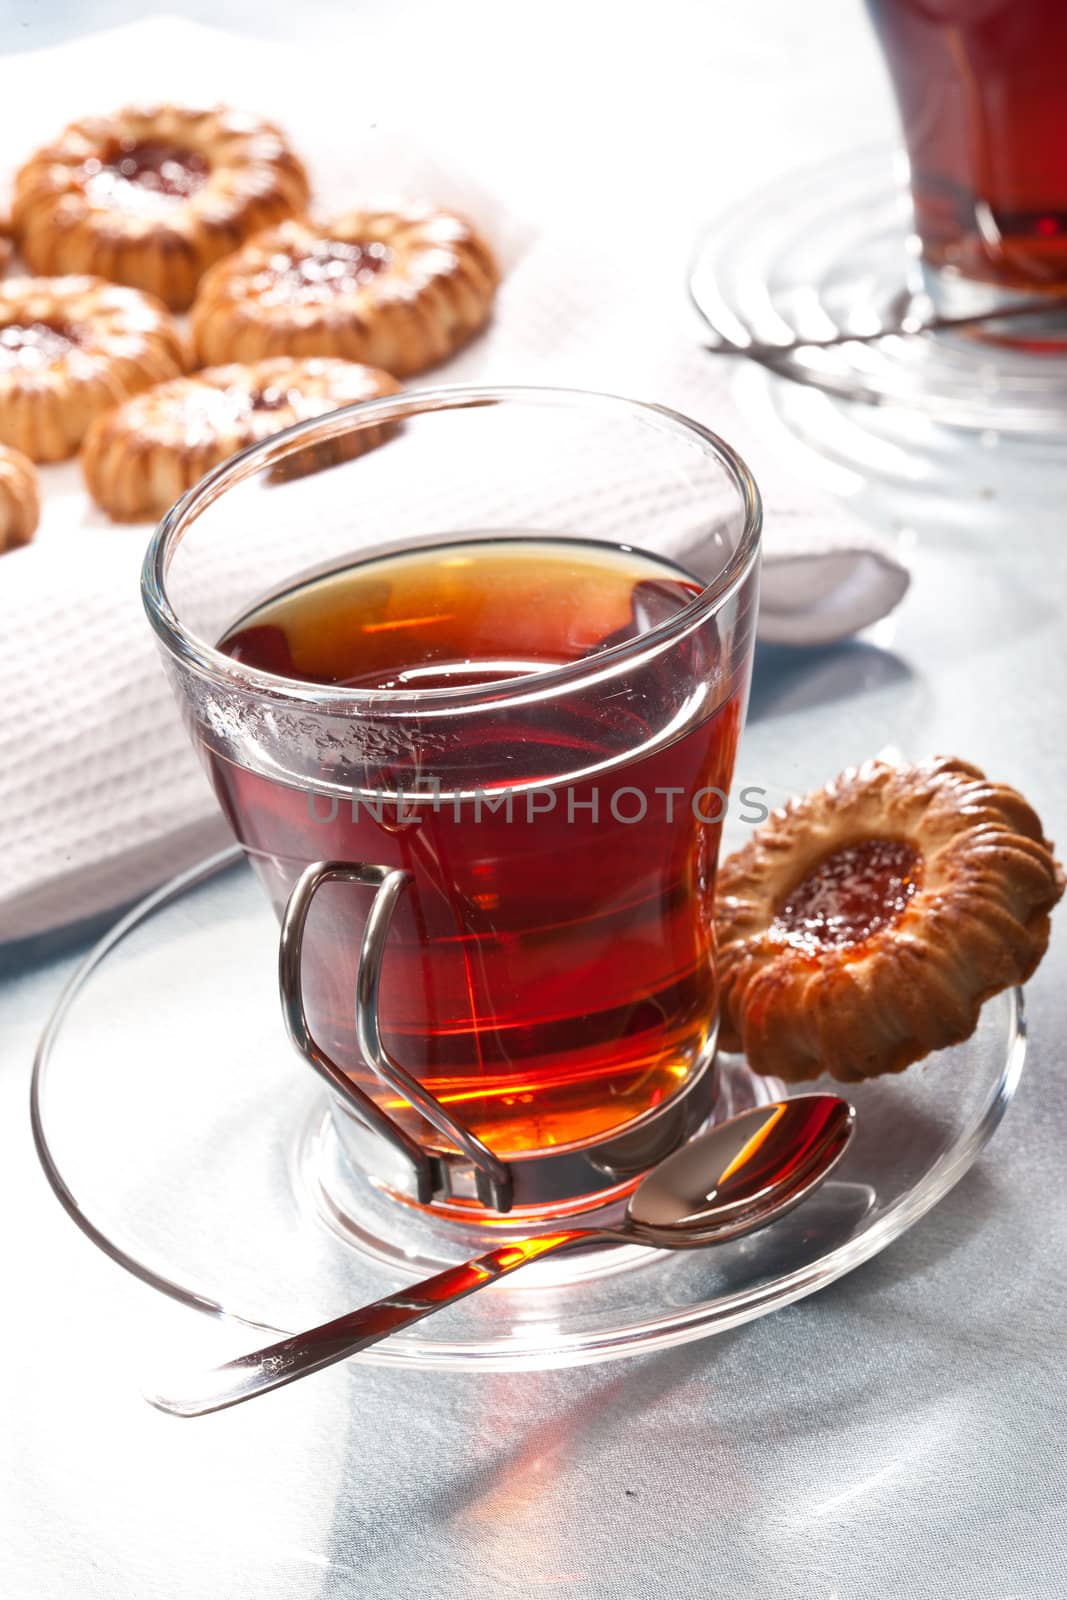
[731,1180]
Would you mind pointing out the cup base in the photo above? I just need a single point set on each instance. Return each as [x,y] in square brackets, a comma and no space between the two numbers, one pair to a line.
[549,1185]
[363,1210]
[950,294]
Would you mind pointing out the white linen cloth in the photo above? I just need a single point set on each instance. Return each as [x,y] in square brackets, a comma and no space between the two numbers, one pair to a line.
[100,793]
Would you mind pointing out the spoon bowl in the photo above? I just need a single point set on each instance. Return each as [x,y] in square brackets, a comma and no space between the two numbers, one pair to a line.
[741,1174]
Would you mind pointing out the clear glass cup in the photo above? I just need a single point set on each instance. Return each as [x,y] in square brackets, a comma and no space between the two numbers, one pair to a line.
[495,893]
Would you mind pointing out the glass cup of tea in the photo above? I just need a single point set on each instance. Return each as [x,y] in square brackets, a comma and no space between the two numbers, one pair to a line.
[467,670]
[979,84]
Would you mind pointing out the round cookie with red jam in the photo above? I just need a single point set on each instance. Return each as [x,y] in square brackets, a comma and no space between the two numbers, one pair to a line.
[154,195]
[398,289]
[143,456]
[864,925]
[20,501]
[70,349]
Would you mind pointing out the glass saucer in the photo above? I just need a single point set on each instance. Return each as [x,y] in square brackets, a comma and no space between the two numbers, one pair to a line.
[829,250]
[191,1144]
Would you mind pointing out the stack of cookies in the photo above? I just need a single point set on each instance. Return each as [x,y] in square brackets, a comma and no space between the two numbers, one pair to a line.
[133,219]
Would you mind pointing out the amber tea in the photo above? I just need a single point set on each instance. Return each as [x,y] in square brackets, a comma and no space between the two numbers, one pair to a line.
[550,970]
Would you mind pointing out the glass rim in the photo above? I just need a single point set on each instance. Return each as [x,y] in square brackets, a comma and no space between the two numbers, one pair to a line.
[210,663]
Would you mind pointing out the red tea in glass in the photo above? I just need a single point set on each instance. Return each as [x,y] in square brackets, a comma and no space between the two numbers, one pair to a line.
[980,86]
[549,973]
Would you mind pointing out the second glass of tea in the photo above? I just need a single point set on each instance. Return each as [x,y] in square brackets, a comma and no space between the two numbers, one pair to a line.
[980,88]
[467,670]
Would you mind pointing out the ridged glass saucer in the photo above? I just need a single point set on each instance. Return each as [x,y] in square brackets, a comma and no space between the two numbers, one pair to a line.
[828,250]
[193,1146]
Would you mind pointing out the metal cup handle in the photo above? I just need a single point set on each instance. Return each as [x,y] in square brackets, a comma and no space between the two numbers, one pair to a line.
[493,1178]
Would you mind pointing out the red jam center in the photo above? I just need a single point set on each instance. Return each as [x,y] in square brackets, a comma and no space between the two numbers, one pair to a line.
[151,169]
[34,344]
[328,267]
[850,894]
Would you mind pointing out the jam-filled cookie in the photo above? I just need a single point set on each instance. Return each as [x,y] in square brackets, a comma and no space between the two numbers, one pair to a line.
[864,925]
[398,289]
[152,196]
[70,348]
[143,455]
[20,501]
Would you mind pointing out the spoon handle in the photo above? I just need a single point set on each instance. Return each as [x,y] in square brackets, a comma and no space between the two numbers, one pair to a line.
[757,351]
[195,1394]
